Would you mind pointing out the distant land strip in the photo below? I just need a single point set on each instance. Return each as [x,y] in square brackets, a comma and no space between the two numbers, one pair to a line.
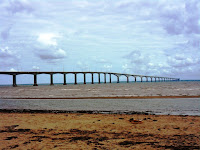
[107,97]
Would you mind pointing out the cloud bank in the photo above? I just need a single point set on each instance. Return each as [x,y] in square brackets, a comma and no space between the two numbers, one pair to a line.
[135,36]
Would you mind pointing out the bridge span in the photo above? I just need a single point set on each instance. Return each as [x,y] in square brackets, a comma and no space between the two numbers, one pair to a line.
[156,78]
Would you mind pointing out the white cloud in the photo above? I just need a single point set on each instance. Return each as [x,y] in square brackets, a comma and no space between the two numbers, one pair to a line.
[50,54]
[84,66]
[48,48]
[5,53]
[108,67]
[8,58]
[184,61]
[48,38]
[126,68]
[36,68]
[12,70]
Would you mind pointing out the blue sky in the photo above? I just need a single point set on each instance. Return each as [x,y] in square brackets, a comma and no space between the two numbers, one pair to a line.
[128,36]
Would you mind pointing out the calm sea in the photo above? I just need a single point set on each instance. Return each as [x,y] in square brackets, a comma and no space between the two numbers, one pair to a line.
[96,82]
[181,106]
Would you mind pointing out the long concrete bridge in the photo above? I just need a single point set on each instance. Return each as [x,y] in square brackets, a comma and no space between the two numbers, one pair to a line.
[156,78]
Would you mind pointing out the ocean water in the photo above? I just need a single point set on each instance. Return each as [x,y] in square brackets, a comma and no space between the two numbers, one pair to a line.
[181,106]
[102,82]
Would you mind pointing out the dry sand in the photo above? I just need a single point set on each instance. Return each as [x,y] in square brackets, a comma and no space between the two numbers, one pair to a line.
[98,131]
[131,90]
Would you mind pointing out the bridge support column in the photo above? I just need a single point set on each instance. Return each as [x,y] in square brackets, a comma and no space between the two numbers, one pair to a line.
[117,79]
[75,78]
[110,79]
[135,79]
[104,77]
[99,78]
[35,80]
[92,78]
[155,79]
[127,79]
[14,80]
[146,79]
[84,78]
[51,80]
[141,79]
[64,75]
[151,79]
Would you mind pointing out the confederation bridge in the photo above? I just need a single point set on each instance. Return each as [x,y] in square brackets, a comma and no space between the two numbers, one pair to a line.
[148,78]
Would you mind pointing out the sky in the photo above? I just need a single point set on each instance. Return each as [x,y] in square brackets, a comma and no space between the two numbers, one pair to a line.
[151,37]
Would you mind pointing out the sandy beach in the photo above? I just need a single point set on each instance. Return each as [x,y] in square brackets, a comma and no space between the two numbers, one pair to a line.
[98,131]
[51,130]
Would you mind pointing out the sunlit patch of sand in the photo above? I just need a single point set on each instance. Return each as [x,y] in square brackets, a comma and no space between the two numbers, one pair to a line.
[98,131]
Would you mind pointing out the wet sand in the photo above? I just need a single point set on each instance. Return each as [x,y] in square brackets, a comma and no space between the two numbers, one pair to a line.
[98,131]
[122,90]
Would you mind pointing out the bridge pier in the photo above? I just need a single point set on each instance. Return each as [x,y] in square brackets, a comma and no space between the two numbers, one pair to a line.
[75,78]
[151,79]
[51,79]
[14,80]
[141,79]
[127,79]
[146,79]
[84,78]
[104,77]
[135,79]
[110,79]
[117,79]
[64,75]
[92,78]
[35,80]
[99,78]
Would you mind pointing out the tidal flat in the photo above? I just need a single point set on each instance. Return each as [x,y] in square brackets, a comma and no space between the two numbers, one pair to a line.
[113,90]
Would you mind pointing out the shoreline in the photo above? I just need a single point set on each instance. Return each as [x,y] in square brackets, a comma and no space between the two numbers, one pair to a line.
[74,112]
[108,97]
[97,112]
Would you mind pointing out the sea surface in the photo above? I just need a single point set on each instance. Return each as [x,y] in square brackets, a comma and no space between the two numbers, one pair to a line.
[180,106]
[72,83]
